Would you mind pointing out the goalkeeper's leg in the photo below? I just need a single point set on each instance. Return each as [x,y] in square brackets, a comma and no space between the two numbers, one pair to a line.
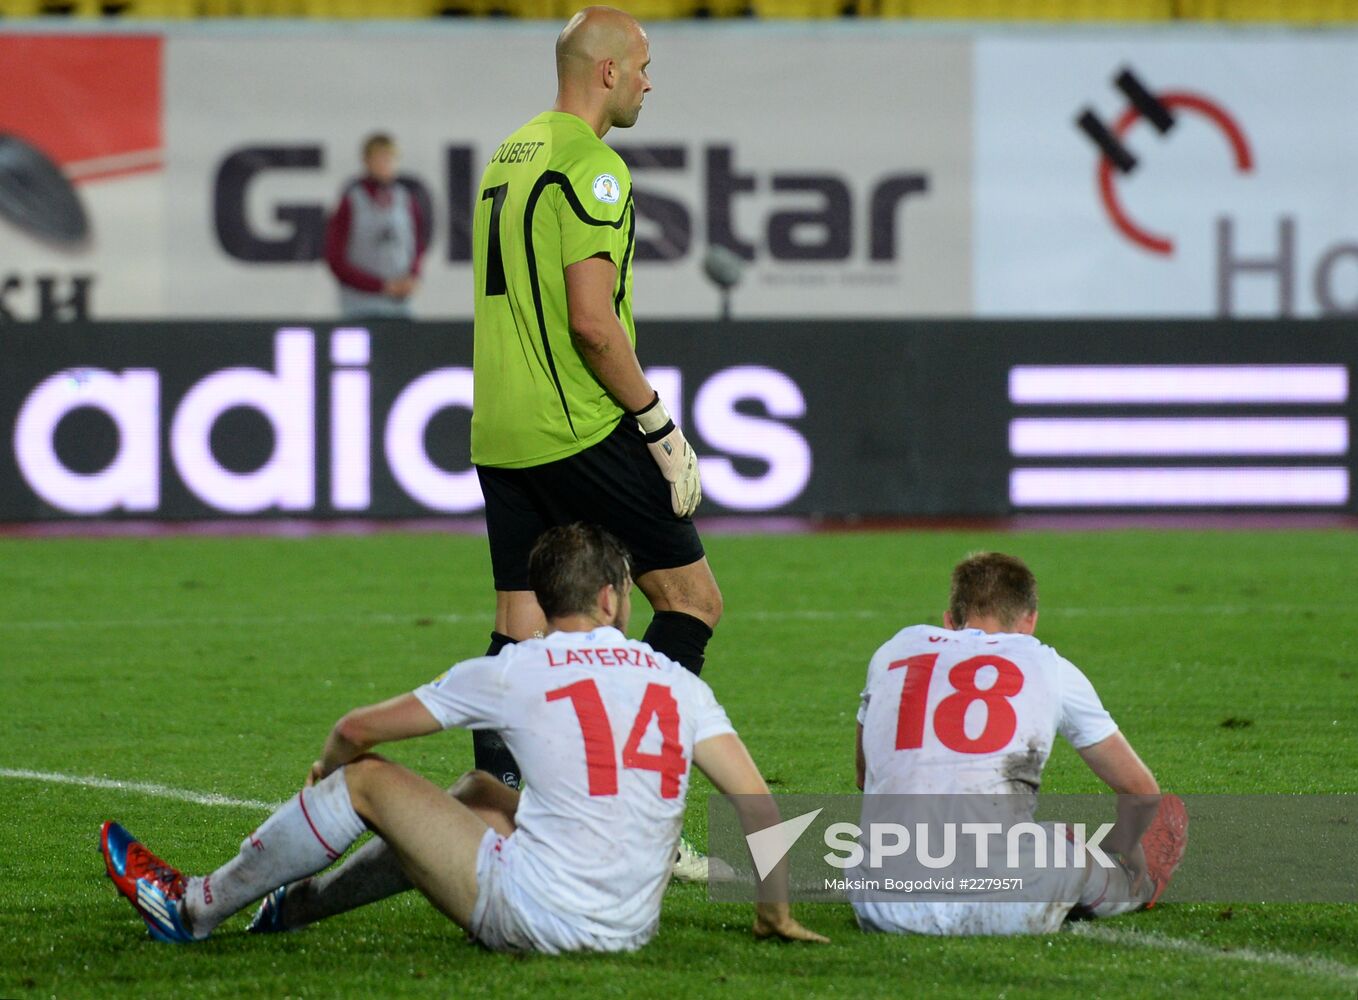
[687,605]
[516,614]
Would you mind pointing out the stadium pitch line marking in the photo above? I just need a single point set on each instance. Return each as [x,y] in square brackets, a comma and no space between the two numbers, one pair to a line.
[379,619]
[384,618]
[136,787]
[1279,960]
[801,614]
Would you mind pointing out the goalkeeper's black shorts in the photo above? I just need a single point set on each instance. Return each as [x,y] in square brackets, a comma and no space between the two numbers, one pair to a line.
[614,484]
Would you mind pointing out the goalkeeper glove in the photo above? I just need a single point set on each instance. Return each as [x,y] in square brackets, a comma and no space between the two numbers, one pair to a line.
[672,453]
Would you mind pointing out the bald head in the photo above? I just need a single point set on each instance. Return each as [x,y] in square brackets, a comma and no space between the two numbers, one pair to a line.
[592,35]
[601,58]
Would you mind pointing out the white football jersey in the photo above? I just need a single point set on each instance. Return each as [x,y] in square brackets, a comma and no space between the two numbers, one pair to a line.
[603,728]
[968,712]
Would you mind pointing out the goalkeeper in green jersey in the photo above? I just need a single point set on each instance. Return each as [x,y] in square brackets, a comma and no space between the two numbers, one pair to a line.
[566,427]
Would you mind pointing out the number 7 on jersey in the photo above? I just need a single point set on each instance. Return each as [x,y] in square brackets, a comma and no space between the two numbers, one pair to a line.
[495,261]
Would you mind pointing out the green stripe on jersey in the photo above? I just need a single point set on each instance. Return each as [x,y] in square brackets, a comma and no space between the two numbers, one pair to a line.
[552,195]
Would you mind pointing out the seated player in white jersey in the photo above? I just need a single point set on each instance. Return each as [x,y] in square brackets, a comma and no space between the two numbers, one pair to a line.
[971,709]
[606,729]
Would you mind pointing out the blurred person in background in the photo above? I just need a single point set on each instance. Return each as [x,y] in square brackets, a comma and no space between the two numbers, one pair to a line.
[376,237]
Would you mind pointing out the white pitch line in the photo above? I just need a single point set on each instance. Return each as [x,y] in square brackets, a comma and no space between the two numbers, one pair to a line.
[801,614]
[381,618]
[137,787]
[1280,960]
[378,618]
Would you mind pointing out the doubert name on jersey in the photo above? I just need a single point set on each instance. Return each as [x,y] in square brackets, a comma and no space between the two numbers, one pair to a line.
[516,152]
[618,656]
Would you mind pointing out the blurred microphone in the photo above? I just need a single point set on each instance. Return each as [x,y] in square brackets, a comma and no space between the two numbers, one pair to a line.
[36,196]
[724,268]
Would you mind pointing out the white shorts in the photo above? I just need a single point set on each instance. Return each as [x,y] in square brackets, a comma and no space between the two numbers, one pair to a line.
[509,918]
[962,918]
[1059,890]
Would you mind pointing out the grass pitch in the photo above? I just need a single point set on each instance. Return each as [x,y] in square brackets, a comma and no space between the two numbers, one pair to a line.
[218,665]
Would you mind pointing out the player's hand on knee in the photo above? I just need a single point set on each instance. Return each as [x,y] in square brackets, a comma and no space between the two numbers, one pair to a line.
[776,921]
[672,452]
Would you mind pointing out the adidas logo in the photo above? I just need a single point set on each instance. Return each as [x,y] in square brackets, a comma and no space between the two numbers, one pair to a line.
[153,901]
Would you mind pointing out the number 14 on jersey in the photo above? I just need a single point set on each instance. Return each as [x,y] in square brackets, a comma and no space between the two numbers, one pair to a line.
[601,754]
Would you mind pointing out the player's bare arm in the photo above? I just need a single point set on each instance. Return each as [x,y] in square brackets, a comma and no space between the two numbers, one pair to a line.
[399,718]
[1119,767]
[728,765]
[600,336]
[603,343]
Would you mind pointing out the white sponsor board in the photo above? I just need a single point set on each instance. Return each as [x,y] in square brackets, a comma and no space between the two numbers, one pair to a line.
[117,272]
[860,170]
[845,199]
[1240,201]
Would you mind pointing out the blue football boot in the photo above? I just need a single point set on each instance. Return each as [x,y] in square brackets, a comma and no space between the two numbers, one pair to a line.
[269,916]
[155,889]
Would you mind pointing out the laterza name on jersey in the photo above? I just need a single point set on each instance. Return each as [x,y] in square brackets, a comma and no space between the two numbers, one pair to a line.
[619,656]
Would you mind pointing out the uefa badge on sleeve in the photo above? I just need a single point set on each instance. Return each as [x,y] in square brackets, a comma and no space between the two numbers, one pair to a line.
[607,189]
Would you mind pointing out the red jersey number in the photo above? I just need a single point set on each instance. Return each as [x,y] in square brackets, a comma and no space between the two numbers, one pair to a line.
[950,715]
[601,755]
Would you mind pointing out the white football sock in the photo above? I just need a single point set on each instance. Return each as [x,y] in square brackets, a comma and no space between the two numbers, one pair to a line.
[1108,892]
[310,831]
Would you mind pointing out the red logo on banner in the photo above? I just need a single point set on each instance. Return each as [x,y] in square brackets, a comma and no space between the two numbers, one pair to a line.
[74,110]
[1160,112]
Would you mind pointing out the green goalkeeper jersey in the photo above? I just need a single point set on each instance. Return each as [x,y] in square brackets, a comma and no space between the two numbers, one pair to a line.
[553,194]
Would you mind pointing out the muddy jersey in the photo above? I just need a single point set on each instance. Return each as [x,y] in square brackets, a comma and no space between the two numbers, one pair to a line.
[604,728]
[967,712]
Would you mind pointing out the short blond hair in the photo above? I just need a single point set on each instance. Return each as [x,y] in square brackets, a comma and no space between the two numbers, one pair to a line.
[992,585]
[376,141]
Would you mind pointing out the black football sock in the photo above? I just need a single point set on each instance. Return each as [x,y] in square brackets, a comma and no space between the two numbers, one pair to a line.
[489,750]
[370,873]
[681,637]
[498,641]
